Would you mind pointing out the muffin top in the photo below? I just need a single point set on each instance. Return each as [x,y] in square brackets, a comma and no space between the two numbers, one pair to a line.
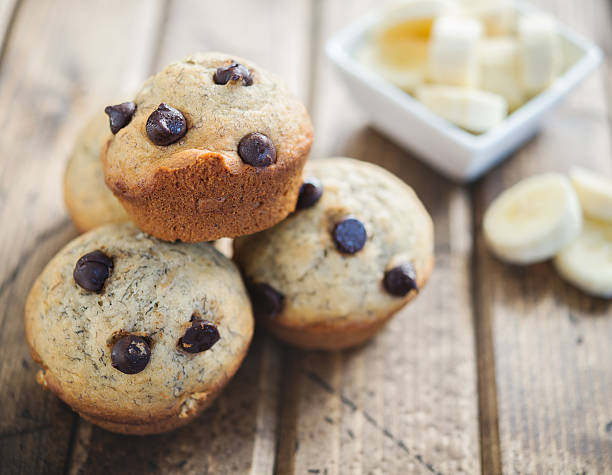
[129,328]
[357,248]
[208,102]
[89,201]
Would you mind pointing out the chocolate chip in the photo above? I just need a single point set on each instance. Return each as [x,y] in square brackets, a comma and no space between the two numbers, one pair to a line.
[400,280]
[349,235]
[130,354]
[234,72]
[200,336]
[257,149]
[267,301]
[310,192]
[166,125]
[92,270]
[120,115]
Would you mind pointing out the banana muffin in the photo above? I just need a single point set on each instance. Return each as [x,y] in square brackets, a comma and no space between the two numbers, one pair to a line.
[212,146]
[358,248]
[89,202]
[135,334]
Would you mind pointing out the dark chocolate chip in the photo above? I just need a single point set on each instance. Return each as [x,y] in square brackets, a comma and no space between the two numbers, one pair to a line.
[166,125]
[267,301]
[349,235]
[92,270]
[130,354]
[120,115]
[257,149]
[200,336]
[234,72]
[310,192]
[400,280]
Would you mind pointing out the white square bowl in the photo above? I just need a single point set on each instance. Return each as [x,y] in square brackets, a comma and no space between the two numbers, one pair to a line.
[456,153]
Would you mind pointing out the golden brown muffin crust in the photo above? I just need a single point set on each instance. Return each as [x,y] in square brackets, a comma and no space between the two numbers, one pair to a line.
[199,189]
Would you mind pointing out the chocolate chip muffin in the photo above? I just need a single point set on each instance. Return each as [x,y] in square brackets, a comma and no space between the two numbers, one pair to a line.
[212,146]
[89,202]
[136,334]
[358,248]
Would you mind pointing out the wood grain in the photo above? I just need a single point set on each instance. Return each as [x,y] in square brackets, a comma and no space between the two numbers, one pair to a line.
[552,350]
[513,355]
[406,402]
[52,73]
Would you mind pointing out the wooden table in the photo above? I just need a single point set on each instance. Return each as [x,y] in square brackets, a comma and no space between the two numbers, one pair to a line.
[494,368]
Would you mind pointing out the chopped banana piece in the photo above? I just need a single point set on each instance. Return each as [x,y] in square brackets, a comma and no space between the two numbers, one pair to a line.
[453,51]
[594,192]
[474,110]
[405,78]
[540,52]
[499,69]
[587,261]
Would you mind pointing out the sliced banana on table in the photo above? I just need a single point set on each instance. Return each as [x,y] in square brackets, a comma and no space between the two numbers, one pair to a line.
[587,261]
[533,220]
[474,110]
[453,51]
[594,192]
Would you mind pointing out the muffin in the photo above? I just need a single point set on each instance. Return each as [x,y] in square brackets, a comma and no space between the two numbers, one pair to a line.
[212,146]
[358,248]
[135,334]
[89,202]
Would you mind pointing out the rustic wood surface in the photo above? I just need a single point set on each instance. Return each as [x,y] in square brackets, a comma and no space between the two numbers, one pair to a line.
[494,368]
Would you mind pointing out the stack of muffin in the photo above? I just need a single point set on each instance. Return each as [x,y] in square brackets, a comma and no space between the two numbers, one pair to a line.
[139,325]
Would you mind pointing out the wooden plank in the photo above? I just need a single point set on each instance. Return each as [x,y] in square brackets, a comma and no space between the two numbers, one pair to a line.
[406,402]
[552,349]
[54,68]
[238,434]
[275,34]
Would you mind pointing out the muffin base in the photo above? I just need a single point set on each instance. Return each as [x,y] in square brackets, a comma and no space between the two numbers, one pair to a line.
[172,419]
[336,335]
[327,336]
[202,198]
[154,426]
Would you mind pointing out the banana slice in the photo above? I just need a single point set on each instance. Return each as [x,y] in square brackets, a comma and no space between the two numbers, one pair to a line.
[534,219]
[453,51]
[404,78]
[540,52]
[471,109]
[594,192]
[404,53]
[587,261]
[402,37]
[499,69]
[403,17]
[499,17]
